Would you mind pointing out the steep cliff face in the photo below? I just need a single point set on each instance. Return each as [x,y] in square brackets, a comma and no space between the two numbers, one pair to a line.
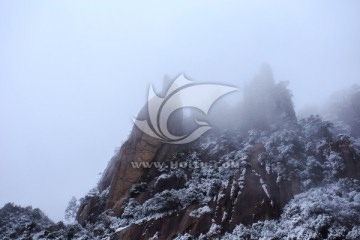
[120,174]
[226,180]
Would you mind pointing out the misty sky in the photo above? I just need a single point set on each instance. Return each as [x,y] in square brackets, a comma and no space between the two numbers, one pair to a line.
[74,73]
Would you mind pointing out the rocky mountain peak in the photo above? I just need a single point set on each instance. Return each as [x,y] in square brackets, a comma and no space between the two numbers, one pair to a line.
[264,175]
[226,179]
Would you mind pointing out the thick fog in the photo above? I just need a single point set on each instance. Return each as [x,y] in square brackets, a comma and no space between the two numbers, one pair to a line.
[73,74]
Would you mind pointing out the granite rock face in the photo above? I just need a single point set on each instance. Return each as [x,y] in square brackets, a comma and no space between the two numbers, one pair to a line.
[120,174]
[228,179]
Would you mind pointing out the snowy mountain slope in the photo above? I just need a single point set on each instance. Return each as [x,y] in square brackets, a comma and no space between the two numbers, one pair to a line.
[264,174]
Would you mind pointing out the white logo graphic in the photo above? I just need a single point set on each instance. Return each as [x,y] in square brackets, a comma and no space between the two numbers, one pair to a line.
[182,93]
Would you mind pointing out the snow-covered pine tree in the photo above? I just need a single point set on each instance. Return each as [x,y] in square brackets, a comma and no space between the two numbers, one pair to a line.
[71,209]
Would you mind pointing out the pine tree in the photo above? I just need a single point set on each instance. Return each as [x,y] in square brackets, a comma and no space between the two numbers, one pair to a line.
[71,209]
